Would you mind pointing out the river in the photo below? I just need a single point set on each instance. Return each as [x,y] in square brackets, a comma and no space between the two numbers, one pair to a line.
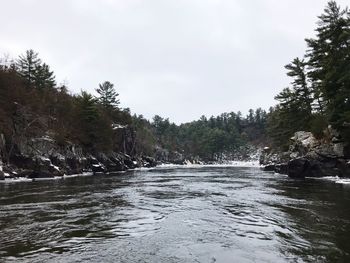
[202,214]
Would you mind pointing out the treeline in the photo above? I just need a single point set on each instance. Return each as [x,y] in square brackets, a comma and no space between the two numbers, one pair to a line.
[33,105]
[319,94]
[211,138]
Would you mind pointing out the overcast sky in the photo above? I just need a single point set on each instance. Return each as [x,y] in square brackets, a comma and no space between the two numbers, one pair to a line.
[177,58]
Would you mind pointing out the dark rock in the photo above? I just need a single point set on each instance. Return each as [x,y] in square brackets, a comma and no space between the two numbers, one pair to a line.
[118,164]
[2,175]
[281,168]
[55,171]
[58,160]
[40,174]
[298,168]
[74,165]
[347,151]
[22,161]
[149,161]
[129,162]
[343,167]
[24,173]
[8,169]
[98,168]
[269,167]
[112,163]
[93,160]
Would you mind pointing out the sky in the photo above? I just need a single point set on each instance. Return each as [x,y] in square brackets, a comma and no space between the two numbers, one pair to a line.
[176,58]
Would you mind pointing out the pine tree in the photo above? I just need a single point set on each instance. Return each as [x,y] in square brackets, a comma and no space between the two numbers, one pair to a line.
[87,116]
[27,66]
[108,95]
[34,72]
[294,112]
[329,63]
[43,77]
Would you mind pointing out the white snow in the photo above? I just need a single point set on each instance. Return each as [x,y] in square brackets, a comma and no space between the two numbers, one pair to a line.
[116,126]
[343,181]
[44,158]
[78,175]
[227,164]
[15,180]
[55,167]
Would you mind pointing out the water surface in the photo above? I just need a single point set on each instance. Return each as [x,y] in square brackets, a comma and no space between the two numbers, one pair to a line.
[204,214]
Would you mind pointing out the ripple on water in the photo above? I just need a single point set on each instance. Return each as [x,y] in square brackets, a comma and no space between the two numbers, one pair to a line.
[176,215]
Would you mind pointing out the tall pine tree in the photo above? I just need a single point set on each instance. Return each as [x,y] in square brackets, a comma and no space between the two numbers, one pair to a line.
[27,66]
[329,63]
[108,95]
[34,72]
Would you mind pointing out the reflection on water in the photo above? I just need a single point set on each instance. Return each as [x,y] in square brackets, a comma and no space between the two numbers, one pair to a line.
[205,214]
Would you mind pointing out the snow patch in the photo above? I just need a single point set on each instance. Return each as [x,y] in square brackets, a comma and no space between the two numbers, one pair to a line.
[55,167]
[16,180]
[116,126]
[343,181]
[226,164]
[77,175]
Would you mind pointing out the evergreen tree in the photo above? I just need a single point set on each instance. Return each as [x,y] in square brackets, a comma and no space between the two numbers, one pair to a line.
[87,116]
[43,77]
[27,66]
[294,112]
[108,95]
[329,63]
[35,74]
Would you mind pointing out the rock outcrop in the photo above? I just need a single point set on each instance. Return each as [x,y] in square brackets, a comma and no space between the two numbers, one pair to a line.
[308,156]
[44,158]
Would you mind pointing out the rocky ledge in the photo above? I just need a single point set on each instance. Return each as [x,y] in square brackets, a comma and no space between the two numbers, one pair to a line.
[310,157]
[43,158]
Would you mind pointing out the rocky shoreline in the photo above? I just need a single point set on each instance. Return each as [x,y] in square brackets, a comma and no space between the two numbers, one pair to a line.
[43,158]
[310,157]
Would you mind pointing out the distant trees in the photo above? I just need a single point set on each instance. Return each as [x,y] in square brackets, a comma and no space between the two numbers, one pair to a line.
[214,137]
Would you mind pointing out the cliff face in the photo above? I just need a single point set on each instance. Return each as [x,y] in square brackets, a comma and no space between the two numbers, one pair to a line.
[308,156]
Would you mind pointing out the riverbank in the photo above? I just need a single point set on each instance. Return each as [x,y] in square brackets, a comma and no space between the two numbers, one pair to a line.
[187,165]
[310,157]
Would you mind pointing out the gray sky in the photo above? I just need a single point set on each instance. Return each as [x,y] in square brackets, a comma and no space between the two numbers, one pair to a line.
[176,58]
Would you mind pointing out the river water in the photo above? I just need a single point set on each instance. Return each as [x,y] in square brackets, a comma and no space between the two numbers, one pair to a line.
[203,214]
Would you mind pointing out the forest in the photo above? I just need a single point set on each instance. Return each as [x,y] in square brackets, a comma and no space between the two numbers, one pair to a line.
[32,104]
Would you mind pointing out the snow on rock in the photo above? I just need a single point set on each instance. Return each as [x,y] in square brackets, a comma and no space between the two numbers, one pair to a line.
[304,139]
[116,126]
